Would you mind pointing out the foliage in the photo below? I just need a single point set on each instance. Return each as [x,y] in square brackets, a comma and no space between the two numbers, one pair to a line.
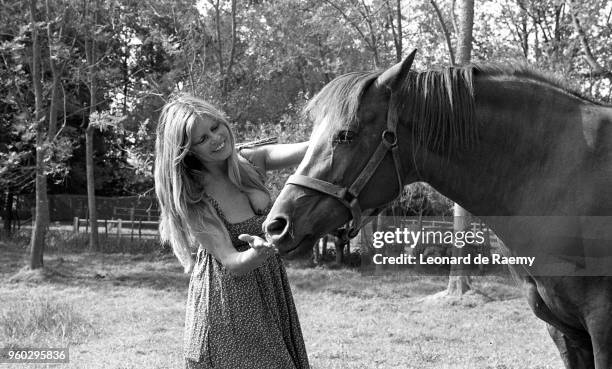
[258,60]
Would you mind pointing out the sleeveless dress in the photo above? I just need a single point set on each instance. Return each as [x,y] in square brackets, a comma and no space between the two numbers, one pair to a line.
[250,321]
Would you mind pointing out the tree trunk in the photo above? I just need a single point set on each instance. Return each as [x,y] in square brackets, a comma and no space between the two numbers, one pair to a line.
[41,221]
[91,190]
[7,214]
[90,51]
[339,246]
[55,75]
[524,31]
[465,17]
[459,282]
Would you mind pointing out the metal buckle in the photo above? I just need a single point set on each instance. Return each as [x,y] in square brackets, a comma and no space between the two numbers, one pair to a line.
[389,141]
[352,233]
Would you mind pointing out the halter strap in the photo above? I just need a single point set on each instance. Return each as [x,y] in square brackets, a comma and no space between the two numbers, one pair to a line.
[348,196]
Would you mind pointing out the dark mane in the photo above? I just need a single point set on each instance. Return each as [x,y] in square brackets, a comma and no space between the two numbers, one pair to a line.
[339,99]
[438,104]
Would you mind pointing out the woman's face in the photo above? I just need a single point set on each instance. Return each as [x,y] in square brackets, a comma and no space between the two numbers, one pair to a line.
[210,140]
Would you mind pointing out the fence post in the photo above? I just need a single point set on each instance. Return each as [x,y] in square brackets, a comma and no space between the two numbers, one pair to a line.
[106,228]
[118,233]
[75,225]
[140,229]
[132,224]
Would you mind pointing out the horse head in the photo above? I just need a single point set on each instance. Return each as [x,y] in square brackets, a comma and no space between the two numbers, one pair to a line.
[353,154]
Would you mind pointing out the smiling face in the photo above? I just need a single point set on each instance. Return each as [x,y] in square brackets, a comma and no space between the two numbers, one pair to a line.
[210,140]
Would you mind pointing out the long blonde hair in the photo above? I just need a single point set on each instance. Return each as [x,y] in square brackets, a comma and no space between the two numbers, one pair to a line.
[178,176]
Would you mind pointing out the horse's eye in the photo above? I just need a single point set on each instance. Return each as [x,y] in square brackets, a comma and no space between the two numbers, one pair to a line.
[344,137]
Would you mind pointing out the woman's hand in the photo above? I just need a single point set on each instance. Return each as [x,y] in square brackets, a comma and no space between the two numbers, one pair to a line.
[258,244]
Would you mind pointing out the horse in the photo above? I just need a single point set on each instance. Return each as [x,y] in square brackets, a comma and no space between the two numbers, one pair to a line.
[510,144]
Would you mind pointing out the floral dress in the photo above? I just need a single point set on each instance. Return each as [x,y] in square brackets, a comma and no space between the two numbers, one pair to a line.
[248,321]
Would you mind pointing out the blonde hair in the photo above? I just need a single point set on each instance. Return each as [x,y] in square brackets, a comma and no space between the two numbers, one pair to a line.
[179,175]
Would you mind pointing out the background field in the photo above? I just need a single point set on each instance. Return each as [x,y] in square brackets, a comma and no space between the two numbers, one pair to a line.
[126,311]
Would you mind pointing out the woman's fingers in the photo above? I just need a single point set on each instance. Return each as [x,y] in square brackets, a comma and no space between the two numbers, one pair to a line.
[246,238]
[256,242]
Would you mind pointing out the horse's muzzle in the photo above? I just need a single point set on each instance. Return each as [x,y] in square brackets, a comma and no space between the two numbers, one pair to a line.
[276,229]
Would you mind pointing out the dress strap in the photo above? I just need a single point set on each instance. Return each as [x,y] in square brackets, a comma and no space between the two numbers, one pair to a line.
[217,207]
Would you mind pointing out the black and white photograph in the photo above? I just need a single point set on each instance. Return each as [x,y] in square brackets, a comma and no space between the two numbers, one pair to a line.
[306,184]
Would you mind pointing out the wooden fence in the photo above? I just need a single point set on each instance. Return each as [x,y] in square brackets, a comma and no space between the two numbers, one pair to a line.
[133,220]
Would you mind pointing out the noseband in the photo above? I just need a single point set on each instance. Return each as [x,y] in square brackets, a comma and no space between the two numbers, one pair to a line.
[348,196]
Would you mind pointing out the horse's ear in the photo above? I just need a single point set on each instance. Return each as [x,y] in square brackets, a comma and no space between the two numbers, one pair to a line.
[393,76]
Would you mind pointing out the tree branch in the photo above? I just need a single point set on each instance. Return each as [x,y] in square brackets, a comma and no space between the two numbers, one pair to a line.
[368,20]
[597,70]
[230,63]
[445,32]
[350,21]
[454,17]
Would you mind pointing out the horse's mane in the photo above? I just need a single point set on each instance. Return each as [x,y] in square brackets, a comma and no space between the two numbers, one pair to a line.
[339,99]
[438,103]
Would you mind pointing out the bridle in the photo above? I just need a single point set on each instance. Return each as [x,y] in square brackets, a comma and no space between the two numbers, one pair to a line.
[348,196]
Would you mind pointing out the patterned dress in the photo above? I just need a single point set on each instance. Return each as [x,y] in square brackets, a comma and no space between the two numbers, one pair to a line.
[248,321]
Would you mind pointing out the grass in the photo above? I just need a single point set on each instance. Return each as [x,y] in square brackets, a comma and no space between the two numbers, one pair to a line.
[63,239]
[127,311]
[41,320]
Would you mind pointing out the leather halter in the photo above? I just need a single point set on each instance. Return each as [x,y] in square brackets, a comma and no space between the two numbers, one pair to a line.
[348,196]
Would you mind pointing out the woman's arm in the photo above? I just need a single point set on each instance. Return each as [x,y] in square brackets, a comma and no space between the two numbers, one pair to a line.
[236,262]
[271,157]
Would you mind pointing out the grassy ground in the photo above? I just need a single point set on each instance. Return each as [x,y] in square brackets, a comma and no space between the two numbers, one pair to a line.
[126,311]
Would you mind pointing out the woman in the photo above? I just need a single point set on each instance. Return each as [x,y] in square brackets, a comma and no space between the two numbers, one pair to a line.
[240,311]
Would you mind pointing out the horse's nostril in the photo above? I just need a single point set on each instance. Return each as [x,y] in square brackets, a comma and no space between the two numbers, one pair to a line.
[277,227]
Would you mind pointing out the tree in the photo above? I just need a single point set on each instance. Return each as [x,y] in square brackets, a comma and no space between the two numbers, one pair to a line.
[41,222]
[17,131]
[258,60]
[92,60]
[459,281]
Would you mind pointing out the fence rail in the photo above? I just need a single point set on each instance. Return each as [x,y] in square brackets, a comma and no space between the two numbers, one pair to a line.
[135,213]
[117,227]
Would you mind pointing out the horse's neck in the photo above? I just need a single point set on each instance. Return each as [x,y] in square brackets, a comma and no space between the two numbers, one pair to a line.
[529,148]
[541,152]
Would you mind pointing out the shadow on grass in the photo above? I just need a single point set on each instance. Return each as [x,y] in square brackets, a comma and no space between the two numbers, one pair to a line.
[90,269]
[406,284]
[161,271]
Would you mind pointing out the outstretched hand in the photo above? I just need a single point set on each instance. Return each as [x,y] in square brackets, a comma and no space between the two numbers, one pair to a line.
[258,243]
